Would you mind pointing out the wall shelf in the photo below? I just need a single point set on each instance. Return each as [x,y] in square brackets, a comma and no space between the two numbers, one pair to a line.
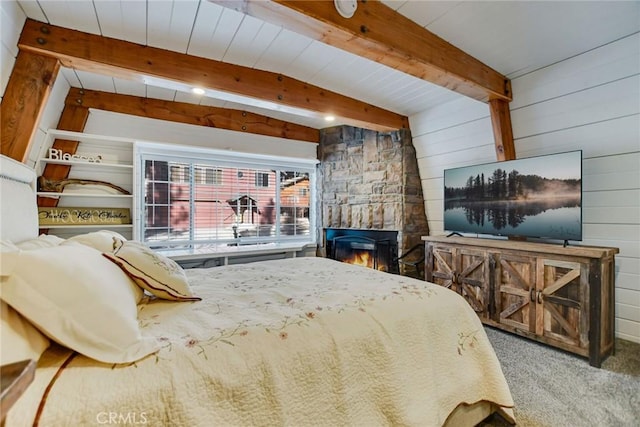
[87,164]
[99,226]
[58,195]
[117,168]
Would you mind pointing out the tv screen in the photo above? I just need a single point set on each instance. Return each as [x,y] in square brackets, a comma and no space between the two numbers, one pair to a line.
[534,197]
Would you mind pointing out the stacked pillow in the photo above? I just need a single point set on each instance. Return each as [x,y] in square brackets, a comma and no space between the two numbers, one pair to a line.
[70,292]
[159,275]
[20,339]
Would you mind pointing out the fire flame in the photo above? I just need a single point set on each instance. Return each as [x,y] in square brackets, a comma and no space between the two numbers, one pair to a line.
[360,258]
[364,259]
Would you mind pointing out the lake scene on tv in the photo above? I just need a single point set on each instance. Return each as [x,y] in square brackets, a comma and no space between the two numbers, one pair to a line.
[532,197]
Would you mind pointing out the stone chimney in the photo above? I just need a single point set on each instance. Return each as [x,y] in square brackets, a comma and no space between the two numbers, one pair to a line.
[370,180]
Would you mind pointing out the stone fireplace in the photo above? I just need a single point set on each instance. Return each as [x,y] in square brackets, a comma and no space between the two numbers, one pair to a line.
[369,180]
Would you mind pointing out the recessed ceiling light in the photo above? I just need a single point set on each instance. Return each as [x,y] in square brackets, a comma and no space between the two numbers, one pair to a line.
[198,90]
[329,118]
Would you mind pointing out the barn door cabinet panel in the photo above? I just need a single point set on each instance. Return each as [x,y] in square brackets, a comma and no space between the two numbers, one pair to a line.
[514,291]
[463,270]
[560,296]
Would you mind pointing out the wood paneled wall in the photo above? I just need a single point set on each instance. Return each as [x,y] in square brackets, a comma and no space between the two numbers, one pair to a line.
[587,102]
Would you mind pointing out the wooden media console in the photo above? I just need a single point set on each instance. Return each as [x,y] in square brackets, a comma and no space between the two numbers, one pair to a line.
[558,295]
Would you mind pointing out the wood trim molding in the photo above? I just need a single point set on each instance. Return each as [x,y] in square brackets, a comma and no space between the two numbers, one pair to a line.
[381,34]
[104,55]
[182,112]
[502,130]
[24,100]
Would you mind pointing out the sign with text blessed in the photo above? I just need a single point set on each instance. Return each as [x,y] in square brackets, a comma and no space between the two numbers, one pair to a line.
[83,216]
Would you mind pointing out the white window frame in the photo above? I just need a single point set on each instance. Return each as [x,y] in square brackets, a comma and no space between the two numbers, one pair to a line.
[216,159]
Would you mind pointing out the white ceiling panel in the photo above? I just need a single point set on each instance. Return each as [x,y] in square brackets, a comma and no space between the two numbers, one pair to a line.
[336,72]
[71,77]
[249,41]
[188,97]
[214,32]
[213,102]
[372,77]
[169,23]
[32,9]
[203,29]
[121,20]
[11,21]
[282,52]
[162,93]
[6,65]
[311,61]
[79,15]
[518,37]
[423,13]
[128,87]
[95,81]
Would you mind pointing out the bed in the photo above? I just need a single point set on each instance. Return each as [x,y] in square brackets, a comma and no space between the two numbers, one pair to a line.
[295,342]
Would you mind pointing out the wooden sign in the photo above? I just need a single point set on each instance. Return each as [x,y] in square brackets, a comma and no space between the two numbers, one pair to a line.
[83,216]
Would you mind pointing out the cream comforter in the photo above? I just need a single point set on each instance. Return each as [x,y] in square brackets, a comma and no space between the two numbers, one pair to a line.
[304,341]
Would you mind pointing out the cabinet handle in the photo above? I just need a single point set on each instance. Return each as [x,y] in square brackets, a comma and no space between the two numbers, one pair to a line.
[532,295]
[539,297]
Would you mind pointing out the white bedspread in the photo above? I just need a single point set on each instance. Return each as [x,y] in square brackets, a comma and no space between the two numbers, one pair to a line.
[304,341]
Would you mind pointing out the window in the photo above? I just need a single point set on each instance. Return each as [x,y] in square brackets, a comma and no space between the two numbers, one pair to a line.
[179,173]
[262,179]
[200,198]
[210,176]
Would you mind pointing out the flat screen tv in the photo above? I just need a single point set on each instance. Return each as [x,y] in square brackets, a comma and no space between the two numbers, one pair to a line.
[539,197]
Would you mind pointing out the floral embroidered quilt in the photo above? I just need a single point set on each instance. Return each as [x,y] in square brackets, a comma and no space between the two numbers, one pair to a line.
[295,342]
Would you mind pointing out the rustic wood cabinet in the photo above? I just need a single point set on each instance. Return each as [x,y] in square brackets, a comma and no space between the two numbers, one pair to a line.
[561,296]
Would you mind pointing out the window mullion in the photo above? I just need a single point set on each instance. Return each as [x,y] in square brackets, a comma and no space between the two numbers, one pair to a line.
[192,207]
[277,207]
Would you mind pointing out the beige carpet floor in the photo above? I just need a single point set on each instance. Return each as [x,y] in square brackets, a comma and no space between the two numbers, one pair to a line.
[552,388]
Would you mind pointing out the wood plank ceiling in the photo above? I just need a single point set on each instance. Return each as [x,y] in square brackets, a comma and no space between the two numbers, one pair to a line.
[513,37]
[445,65]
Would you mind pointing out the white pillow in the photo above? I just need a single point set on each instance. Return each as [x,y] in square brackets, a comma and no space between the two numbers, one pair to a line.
[77,298]
[20,339]
[5,266]
[42,241]
[101,240]
[156,273]
[95,239]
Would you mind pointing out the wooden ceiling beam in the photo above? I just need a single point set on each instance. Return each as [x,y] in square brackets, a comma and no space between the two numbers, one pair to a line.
[93,53]
[24,100]
[502,130]
[383,35]
[182,112]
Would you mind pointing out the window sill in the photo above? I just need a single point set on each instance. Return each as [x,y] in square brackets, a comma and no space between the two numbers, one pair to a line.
[229,252]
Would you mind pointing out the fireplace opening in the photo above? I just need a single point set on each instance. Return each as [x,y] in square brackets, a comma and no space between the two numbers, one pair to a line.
[377,249]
